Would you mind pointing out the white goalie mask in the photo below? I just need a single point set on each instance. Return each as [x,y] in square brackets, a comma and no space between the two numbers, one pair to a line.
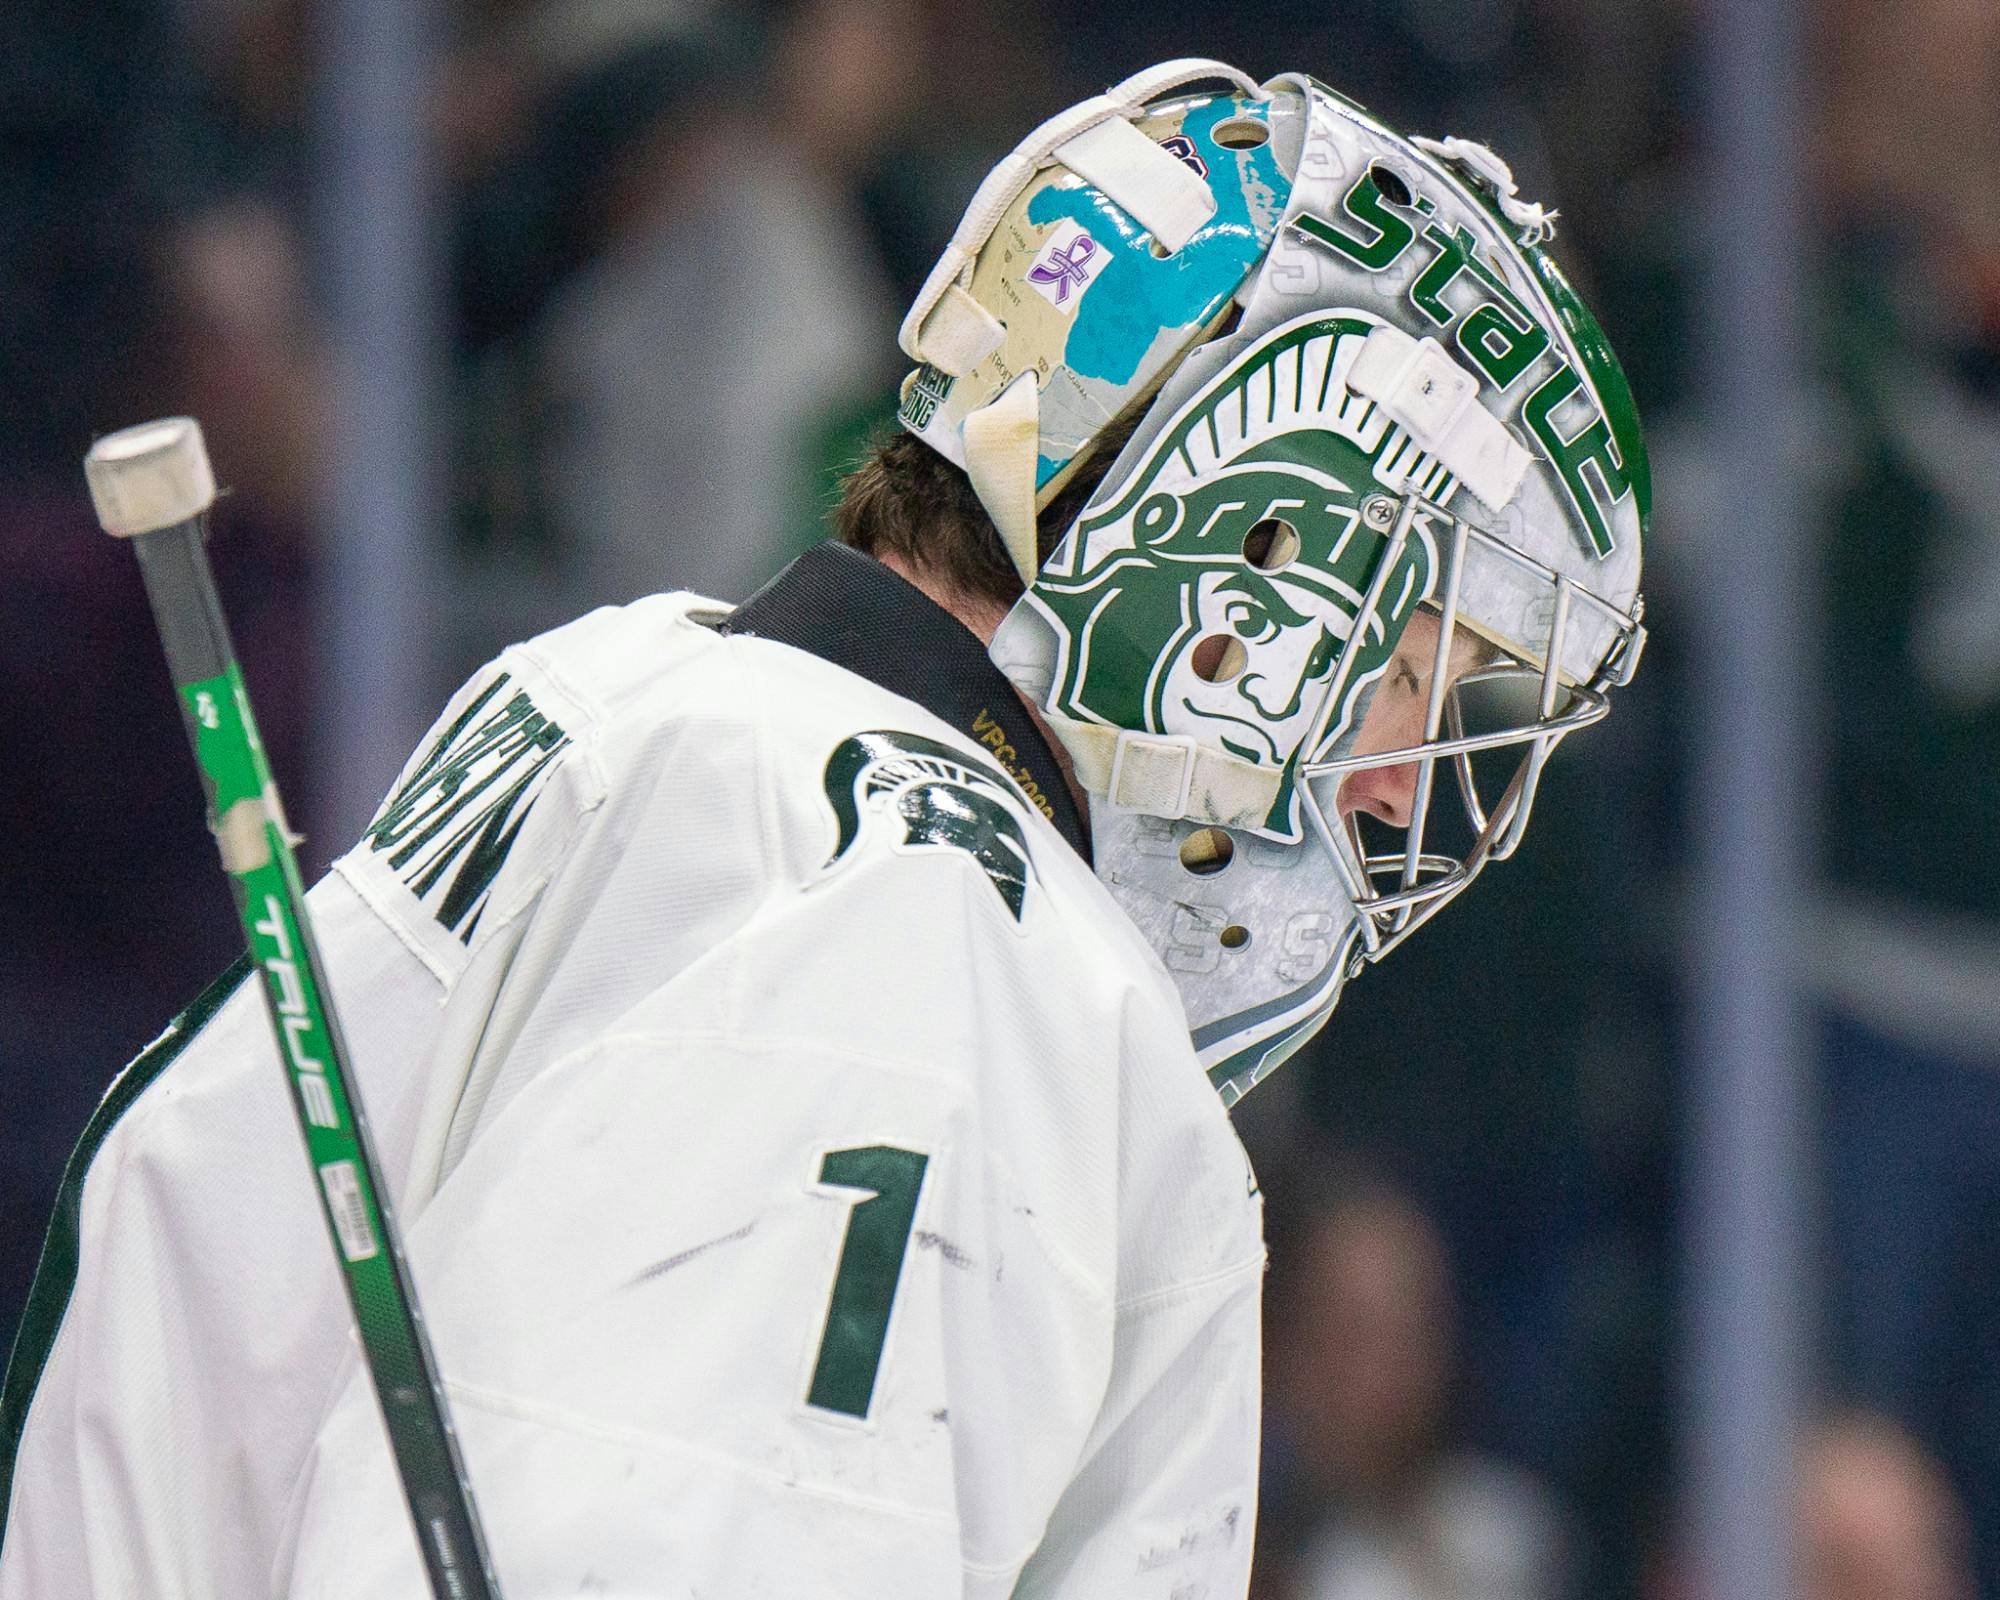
[1362,391]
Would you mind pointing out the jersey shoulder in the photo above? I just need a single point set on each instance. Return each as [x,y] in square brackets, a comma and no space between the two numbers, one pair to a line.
[673,748]
[861,803]
[500,788]
[764,854]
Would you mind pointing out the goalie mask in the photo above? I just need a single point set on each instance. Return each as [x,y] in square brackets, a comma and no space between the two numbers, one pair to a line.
[1363,392]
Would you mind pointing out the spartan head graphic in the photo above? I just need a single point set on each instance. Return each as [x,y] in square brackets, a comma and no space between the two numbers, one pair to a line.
[1215,593]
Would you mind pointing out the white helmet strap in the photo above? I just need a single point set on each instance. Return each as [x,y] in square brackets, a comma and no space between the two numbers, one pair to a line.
[1420,384]
[1537,223]
[1167,775]
[1159,191]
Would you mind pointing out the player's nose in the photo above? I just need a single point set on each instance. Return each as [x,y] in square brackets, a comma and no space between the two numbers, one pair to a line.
[1386,793]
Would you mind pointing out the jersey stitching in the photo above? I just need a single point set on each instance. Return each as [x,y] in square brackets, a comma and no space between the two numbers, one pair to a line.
[582,748]
[531,893]
[995,1569]
[593,708]
[579,749]
[766,802]
[555,1417]
[1146,1299]
[599,716]
[358,882]
[1087,1281]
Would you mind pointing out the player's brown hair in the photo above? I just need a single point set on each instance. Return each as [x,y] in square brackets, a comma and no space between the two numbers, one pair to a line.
[906,500]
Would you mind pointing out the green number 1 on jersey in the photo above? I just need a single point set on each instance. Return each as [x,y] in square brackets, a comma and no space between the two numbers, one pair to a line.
[871,1263]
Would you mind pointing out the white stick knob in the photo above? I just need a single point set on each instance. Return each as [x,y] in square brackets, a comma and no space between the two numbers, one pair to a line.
[150,476]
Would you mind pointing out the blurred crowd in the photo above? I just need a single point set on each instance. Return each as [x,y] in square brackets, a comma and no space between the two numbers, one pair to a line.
[676,237]
[1376,1490]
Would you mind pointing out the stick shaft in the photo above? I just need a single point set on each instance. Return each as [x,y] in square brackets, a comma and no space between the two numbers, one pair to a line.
[270,900]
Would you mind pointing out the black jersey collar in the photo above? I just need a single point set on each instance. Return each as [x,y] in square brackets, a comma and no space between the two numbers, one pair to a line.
[850,610]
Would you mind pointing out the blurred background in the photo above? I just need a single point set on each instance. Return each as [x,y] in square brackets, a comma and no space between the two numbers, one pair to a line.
[497,310]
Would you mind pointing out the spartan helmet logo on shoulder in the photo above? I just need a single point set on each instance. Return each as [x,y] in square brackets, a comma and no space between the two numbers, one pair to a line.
[1364,395]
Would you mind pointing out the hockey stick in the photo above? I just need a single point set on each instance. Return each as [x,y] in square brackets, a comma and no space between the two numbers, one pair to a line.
[152,484]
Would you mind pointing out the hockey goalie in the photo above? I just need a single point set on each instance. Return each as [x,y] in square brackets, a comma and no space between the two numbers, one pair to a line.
[800,1038]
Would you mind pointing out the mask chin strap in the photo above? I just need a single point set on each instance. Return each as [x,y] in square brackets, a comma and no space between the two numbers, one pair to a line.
[1168,775]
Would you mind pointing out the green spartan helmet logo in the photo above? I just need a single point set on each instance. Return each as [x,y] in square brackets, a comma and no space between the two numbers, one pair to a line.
[1216,595]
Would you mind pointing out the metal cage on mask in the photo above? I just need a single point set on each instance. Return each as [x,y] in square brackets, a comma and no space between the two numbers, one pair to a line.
[1395,891]
[1169,873]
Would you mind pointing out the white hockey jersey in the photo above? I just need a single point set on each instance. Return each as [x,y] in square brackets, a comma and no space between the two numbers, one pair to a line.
[808,1181]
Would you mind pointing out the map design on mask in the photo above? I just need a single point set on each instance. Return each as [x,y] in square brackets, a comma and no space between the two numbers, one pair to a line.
[1098,326]
[1172,619]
